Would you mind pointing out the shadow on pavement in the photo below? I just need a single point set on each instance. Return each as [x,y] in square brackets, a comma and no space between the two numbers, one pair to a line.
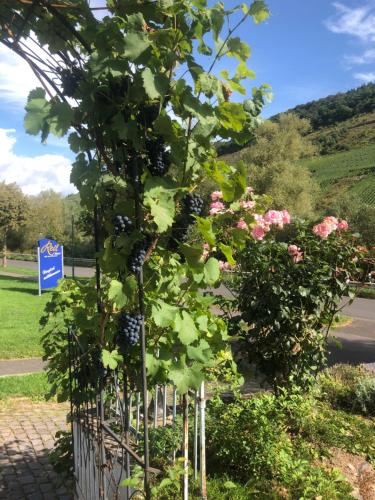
[354,351]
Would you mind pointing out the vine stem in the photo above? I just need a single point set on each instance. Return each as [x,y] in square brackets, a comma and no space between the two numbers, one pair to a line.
[141,305]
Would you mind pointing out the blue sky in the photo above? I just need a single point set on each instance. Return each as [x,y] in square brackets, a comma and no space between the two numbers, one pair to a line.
[305,50]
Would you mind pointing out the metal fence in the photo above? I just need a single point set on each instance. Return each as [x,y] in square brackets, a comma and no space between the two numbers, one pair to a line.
[108,423]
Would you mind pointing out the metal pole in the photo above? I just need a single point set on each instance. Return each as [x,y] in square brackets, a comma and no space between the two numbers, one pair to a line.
[156,398]
[39,276]
[141,305]
[202,401]
[186,446]
[73,267]
[62,261]
[196,414]
[164,405]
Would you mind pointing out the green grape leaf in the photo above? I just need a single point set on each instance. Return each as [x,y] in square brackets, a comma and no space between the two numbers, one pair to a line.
[232,116]
[204,226]
[60,119]
[37,111]
[259,11]
[122,293]
[185,327]
[159,197]
[111,359]
[135,45]
[186,377]
[156,86]
[201,352]
[211,271]
[227,251]
[193,256]
[164,314]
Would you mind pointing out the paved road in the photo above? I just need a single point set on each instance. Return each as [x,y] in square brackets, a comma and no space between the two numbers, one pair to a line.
[358,339]
[85,272]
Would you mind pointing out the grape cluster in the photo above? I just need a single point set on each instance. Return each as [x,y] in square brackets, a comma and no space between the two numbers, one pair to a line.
[129,329]
[159,158]
[148,114]
[138,255]
[192,204]
[70,79]
[123,224]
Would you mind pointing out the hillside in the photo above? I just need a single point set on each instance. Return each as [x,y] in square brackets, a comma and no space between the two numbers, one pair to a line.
[337,108]
[343,130]
[352,171]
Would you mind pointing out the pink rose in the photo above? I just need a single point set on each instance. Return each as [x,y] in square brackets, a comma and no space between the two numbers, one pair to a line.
[343,225]
[274,217]
[216,195]
[258,232]
[241,224]
[216,208]
[295,253]
[293,249]
[332,221]
[224,266]
[249,190]
[323,229]
[206,250]
[286,217]
[247,205]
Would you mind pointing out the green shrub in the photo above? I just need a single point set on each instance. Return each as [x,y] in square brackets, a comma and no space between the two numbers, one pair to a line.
[258,442]
[325,428]
[365,396]
[347,387]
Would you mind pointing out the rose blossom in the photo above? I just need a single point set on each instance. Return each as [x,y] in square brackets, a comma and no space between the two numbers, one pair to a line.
[286,217]
[323,229]
[206,250]
[216,195]
[258,232]
[224,266]
[249,190]
[295,253]
[241,224]
[261,222]
[216,208]
[343,225]
[332,221]
[293,249]
[274,217]
[247,205]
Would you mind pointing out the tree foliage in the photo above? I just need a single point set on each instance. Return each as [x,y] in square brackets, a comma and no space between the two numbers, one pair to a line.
[13,210]
[272,164]
[337,108]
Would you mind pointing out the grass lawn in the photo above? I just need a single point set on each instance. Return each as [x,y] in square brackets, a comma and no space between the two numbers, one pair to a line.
[33,386]
[19,270]
[20,310]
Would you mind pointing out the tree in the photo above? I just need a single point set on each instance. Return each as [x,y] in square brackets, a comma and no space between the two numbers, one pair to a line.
[13,212]
[272,164]
[360,215]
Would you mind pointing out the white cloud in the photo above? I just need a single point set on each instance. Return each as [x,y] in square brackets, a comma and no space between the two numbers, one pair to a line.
[358,21]
[367,57]
[16,78]
[365,77]
[33,174]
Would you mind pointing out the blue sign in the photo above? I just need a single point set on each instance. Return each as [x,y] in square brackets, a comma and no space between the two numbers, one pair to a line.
[51,263]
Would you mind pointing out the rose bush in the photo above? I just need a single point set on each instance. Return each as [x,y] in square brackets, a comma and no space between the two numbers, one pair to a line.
[290,292]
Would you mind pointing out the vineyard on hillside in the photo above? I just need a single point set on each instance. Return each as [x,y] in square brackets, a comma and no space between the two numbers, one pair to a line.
[353,170]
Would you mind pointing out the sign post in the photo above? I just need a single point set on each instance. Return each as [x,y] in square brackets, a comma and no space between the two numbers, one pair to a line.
[50,263]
